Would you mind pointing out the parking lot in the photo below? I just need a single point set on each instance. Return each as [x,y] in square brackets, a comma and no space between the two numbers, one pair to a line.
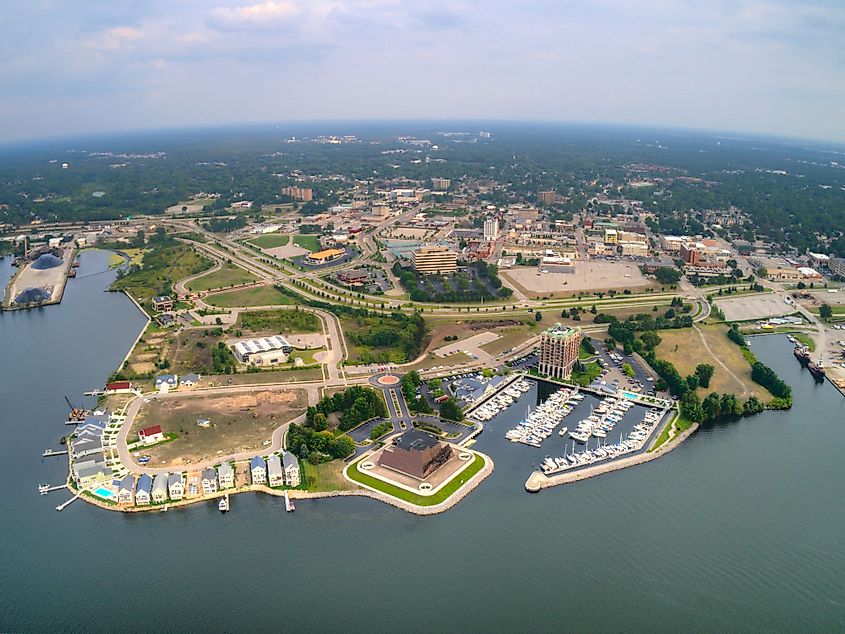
[754,307]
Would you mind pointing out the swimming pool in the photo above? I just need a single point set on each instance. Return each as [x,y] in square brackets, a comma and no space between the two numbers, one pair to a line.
[104,493]
[630,395]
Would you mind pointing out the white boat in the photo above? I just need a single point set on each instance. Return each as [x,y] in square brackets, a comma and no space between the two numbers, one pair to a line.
[223,504]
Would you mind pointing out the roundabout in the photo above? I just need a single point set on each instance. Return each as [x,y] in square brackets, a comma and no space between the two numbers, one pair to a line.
[385,380]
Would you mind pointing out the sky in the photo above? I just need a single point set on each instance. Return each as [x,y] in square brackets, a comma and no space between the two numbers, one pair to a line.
[773,67]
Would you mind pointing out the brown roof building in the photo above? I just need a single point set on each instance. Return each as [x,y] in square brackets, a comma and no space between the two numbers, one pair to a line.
[416,453]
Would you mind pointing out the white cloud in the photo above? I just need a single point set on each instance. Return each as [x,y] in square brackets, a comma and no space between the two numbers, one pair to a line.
[261,14]
[114,39]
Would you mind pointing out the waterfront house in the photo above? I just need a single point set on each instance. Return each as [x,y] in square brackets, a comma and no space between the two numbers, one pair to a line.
[162,302]
[209,481]
[258,469]
[226,476]
[291,467]
[275,473]
[89,476]
[119,387]
[159,492]
[143,490]
[125,489]
[189,380]
[166,382]
[86,443]
[151,435]
[175,486]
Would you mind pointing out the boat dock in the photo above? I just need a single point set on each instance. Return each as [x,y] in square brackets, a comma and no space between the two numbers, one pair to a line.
[54,452]
[289,505]
[63,505]
[44,489]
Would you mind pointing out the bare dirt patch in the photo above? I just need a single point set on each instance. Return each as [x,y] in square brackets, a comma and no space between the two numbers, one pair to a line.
[754,307]
[589,276]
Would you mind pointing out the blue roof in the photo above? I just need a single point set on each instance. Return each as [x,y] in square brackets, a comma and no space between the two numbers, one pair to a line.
[145,483]
[258,461]
[166,378]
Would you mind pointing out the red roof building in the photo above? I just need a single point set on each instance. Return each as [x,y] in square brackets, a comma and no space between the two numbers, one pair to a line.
[151,434]
[118,385]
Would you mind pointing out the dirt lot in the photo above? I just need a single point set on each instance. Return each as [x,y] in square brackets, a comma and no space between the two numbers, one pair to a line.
[685,349]
[290,250]
[754,307]
[240,422]
[589,275]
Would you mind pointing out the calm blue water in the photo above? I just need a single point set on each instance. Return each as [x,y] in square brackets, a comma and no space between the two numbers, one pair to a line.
[740,529]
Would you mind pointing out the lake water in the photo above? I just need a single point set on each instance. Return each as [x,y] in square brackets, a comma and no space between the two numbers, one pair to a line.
[739,529]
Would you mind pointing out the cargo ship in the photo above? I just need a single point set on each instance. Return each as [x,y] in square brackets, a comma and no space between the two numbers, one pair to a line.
[802,354]
[817,371]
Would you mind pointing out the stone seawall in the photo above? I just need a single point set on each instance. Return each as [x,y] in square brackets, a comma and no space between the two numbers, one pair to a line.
[537,481]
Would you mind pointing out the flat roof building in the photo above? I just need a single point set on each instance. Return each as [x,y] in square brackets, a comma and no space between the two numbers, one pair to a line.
[255,350]
[415,453]
[434,259]
[324,256]
[559,348]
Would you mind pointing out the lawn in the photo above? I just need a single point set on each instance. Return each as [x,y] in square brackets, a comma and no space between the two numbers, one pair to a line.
[310,242]
[270,240]
[685,349]
[681,424]
[420,500]
[279,321]
[227,275]
[590,373]
[256,296]
[327,477]
[239,423]
[163,265]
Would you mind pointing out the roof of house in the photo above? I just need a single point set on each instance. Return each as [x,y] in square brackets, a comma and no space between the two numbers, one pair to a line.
[119,385]
[174,478]
[167,378]
[150,431]
[289,460]
[225,468]
[190,378]
[145,483]
[416,440]
[209,474]
[258,461]
[90,470]
[160,482]
[127,482]
[274,465]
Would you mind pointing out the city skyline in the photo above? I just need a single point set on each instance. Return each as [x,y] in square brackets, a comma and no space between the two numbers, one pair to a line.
[748,67]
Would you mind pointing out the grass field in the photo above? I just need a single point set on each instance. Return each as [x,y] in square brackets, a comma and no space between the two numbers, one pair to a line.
[419,500]
[685,349]
[162,267]
[228,275]
[256,296]
[239,423]
[310,242]
[327,477]
[270,240]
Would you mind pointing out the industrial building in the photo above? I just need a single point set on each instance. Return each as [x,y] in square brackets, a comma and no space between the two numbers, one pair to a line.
[263,351]
[559,348]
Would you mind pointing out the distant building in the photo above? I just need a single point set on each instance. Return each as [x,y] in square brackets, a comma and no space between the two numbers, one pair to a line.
[690,254]
[355,277]
[491,229]
[441,184]
[611,236]
[837,266]
[303,194]
[559,347]
[818,259]
[548,197]
[415,453]
[434,259]
[263,351]
[151,435]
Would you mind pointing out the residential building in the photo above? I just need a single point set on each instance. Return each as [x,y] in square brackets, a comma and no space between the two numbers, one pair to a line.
[209,481]
[263,351]
[159,492]
[119,387]
[491,229]
[226,476]
[275,473]
[86,443]
[837,266]
[175,486]
[190,380]
[415,453]
[559,347]
[126,489]
[162,303]
[690,254]
[258,470]
[434,259]
[143,490]
[441,184]
[151,435]
[166,382]
[291,468]
[89,476]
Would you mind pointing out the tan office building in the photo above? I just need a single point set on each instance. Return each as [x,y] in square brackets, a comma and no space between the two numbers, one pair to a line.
[431,260]
[559,348]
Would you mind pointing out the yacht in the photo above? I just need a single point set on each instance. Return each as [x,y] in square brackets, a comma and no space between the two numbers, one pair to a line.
[223,504]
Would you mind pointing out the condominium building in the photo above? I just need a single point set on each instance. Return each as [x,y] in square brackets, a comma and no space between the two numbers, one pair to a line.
[299,193]
[559,348]
[441,184]
[434,259]
[548,197]
[491,229]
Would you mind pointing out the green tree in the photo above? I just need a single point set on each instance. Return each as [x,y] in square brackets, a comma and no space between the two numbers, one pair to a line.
[704,372]
[449,410]
[825,312]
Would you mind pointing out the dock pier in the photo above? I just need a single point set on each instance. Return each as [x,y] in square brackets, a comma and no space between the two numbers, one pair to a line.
[61,507]
[53,452]
[44,489]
